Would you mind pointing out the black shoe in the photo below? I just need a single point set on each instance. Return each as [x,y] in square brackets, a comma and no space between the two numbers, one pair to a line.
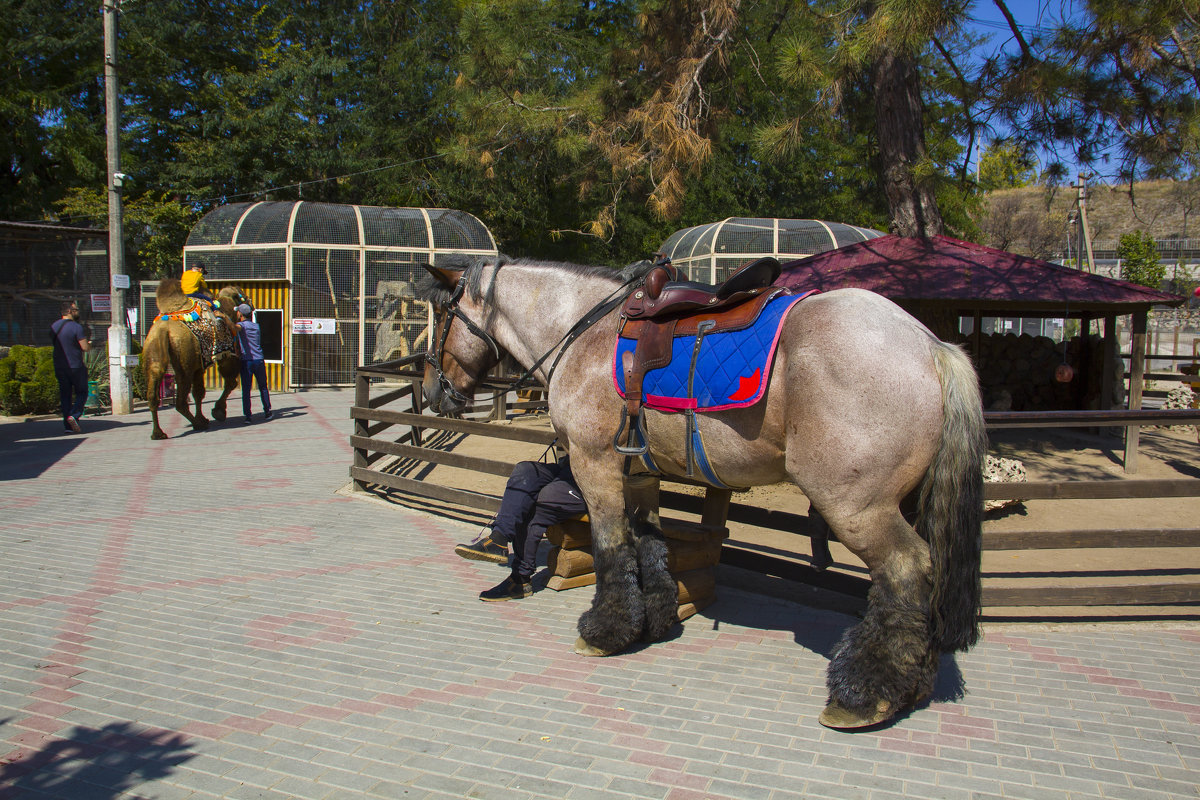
[268,414]
[483,550]
[248,419]
[510,589]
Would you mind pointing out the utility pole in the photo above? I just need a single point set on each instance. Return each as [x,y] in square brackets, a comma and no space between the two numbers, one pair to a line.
[118,335]
[1085,233]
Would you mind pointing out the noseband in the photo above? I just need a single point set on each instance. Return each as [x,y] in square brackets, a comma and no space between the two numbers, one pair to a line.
[434,357]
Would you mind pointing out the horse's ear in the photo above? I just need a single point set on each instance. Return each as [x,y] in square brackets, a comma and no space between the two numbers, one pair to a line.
[447,277]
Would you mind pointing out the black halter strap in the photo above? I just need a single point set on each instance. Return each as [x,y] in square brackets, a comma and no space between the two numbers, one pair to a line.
[597,313]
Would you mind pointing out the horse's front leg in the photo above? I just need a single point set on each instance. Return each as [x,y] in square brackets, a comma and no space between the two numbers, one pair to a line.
[618,613]
[660,593]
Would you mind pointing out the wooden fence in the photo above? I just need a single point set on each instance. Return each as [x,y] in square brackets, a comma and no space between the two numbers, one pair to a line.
[390,429]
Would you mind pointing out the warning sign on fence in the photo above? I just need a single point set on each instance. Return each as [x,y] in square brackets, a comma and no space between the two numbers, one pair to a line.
[314,325]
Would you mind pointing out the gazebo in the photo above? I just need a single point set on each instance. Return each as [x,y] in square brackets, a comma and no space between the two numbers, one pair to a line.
[710,253]
[940,280]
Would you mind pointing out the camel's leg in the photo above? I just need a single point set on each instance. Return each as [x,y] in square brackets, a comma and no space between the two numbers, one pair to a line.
[887,661]
[229,370]
[199,422]
[154,376]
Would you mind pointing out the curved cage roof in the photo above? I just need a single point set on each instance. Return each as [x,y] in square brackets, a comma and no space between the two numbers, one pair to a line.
[300,222]
[711,252]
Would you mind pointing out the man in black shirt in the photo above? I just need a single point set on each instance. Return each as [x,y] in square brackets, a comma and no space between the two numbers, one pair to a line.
[70,342]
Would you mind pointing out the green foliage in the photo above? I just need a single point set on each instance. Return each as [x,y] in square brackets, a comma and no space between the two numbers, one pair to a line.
[1139,260]
[32,389]
[1006,164]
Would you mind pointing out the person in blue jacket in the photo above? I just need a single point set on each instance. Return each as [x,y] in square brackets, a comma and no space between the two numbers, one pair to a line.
[249,339]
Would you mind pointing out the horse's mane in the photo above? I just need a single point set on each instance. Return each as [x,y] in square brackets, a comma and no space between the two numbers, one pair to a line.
[431,289]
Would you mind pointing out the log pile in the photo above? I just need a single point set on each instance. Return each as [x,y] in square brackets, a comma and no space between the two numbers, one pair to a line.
[693,550]
[1017,373]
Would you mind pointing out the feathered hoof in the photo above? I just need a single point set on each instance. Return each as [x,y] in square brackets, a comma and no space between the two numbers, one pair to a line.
[584,649]
[840,718]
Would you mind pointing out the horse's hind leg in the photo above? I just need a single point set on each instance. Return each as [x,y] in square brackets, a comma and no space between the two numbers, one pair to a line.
[887,661]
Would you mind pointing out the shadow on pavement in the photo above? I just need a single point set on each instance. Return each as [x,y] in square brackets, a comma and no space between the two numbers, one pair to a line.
[34,445]
[95,763]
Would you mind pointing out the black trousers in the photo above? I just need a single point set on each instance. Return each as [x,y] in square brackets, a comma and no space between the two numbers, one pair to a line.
[536,497]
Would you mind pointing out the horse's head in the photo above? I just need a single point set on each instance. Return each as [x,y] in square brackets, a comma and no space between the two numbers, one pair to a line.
[461,350]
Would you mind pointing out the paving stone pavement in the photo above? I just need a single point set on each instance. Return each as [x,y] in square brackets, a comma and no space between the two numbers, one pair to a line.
[208,617]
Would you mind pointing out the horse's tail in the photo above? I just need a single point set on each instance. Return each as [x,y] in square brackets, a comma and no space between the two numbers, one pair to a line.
[950,510]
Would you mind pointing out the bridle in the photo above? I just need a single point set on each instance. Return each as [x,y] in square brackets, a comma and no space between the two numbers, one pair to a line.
[451,310]
[434,357]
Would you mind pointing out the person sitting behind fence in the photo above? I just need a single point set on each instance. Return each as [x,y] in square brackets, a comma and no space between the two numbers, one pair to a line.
[537,496]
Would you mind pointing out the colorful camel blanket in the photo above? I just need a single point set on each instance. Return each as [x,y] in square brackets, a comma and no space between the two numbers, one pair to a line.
[210,331]
[713,372]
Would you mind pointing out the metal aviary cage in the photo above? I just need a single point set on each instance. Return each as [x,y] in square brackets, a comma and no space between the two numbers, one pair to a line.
[336,279]
[712,252]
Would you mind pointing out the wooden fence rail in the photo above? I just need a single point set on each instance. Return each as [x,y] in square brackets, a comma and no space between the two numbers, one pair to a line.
[389,426]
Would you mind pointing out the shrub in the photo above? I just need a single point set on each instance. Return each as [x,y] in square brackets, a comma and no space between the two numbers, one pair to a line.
[1139,260]
[10,397]
[40,395]
[25,360]
[6,369]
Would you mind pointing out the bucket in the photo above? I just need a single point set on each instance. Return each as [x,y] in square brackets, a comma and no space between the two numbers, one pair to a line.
[92,402]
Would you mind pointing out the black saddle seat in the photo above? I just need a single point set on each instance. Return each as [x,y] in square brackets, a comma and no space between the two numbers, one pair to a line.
[664,295]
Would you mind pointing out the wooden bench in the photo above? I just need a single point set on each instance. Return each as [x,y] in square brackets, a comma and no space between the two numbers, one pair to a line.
[693,551]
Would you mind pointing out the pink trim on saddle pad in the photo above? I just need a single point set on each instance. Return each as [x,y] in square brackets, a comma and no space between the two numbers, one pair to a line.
[669,403]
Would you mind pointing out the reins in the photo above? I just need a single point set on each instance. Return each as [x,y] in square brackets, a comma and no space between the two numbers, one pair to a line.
[597,313]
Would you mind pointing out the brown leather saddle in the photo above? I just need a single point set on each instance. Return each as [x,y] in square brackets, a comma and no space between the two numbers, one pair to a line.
[665,307]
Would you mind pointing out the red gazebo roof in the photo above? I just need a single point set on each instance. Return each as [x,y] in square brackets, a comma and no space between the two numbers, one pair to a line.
[952,272]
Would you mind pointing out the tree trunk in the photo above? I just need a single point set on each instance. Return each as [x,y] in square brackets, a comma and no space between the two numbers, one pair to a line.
[901,135]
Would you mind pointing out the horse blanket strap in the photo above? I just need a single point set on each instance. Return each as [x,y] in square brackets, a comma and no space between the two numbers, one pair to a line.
[703,362]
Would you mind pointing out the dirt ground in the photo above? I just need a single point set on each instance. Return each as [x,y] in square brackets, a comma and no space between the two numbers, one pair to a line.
[1048,455]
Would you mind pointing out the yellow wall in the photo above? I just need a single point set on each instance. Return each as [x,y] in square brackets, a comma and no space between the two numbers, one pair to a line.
[266,295]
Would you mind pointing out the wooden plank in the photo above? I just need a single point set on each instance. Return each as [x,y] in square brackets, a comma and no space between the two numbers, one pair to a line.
[464,497]
[794,571]
[1151,594]
[1068,540]
[387,397]
[1092,490]
[443,457]
[455,425]
[998,420]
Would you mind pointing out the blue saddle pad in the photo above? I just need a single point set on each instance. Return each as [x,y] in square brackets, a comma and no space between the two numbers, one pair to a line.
[732,367]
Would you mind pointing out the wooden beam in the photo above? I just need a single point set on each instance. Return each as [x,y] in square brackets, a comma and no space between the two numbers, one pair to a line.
[1092,490]
[456,425]
[482,502]
[1151,594]
[443,457]
[1137,369]
[1070,540]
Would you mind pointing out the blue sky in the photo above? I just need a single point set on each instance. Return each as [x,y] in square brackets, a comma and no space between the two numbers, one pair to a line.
[1030,15]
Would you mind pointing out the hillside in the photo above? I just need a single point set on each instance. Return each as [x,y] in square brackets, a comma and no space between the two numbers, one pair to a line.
[1034,220]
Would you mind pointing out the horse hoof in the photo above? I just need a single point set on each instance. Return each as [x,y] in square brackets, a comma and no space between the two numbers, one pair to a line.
[840,718]
[584,649]
[218,414]
[157,435]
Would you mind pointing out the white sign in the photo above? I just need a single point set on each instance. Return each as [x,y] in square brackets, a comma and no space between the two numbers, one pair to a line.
[102,302]
[314,325]
[120,281]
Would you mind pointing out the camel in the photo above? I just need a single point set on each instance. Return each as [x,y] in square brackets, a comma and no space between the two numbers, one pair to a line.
[171,345]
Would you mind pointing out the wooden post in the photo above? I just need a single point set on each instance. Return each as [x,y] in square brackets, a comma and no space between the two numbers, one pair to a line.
[362,399]
[715,511]
[1137,372]
[1111,350]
